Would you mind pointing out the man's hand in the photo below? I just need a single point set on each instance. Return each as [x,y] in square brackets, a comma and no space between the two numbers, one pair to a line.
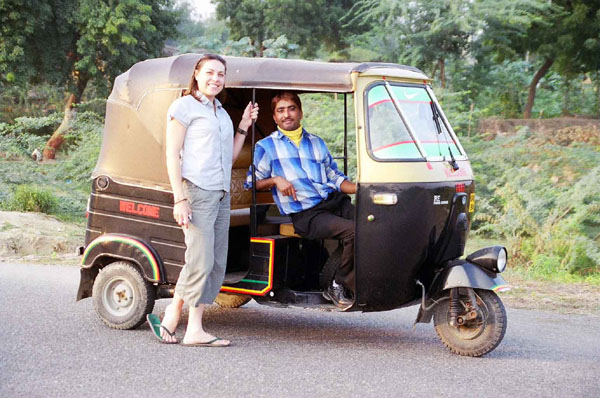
[348,187]
[285,187]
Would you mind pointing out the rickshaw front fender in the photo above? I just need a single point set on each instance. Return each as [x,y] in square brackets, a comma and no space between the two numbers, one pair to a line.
[459,273]
[466,274]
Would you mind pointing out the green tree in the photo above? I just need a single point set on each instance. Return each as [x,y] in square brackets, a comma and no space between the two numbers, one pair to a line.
[425,33]
[564,34]
[73,43]
[429,33]
[32,37]
[310,24]
[245,18]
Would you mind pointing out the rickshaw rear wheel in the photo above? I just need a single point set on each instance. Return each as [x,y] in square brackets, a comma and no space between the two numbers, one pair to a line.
[475,337]
[122,297]
[231,300]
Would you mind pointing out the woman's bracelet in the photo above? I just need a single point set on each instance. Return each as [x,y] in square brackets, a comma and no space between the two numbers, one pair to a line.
[180,200]
[242,131]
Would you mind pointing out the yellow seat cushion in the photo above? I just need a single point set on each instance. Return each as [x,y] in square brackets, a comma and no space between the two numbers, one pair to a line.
[287,229]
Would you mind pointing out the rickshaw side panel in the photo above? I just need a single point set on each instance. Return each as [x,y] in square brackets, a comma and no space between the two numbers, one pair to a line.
[401,243]
[139,212]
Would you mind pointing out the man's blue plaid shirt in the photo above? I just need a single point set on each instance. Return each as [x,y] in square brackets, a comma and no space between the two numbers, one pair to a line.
[309,167]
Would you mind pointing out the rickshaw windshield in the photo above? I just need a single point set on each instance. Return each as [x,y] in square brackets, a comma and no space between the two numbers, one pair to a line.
[422,134]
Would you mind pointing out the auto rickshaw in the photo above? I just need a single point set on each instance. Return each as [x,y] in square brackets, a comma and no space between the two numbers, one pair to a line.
[414,204]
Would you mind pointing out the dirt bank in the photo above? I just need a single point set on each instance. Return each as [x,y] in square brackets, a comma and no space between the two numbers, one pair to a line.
[493,126]
[38,237]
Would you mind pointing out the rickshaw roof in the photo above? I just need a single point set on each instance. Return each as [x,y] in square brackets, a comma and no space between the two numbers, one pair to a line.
[267,73]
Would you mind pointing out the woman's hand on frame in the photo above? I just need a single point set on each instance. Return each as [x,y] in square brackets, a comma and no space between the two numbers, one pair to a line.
[250,114]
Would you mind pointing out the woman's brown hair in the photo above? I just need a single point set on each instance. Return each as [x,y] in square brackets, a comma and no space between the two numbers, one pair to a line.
[193,86]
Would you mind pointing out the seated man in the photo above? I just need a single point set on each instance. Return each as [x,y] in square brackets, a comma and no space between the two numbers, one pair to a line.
[307,186]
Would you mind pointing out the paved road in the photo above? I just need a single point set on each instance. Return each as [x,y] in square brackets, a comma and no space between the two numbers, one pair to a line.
[52,346]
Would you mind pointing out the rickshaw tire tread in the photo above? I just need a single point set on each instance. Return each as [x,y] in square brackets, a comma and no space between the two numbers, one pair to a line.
[230,300]
[147,296]
[498,333]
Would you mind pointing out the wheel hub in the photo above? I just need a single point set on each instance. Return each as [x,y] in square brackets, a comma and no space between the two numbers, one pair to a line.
[118,296]
[471,324]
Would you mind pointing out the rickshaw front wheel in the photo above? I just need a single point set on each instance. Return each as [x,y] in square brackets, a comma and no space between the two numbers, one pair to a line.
[230,300]
[122,297]
[477,336]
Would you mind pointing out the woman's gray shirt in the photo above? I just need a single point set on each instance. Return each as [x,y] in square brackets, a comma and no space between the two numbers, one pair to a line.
[208,145]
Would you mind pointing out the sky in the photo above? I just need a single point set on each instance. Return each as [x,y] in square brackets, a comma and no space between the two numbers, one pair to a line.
[202,8]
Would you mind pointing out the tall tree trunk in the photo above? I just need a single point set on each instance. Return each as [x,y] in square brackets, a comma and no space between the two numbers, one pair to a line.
[442,66]
[533,86]
[566,97]
[259,48]
[57,138]
[598,94]
[434,71]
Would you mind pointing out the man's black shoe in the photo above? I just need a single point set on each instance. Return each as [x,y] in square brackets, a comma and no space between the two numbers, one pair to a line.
[335,293]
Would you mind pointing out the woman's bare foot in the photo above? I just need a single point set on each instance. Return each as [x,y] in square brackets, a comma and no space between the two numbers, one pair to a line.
[170,321]
[195,334]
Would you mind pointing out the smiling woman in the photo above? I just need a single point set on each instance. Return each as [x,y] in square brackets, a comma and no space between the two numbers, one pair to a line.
[201,149]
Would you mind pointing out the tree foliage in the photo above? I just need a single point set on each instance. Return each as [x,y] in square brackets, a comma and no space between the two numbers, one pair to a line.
[72,42]
[561,34]
[33,38]
[310,24]
[75,42]
[423,32]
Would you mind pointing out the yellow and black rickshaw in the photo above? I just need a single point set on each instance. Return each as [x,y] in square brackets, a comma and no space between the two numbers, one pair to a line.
[414,203]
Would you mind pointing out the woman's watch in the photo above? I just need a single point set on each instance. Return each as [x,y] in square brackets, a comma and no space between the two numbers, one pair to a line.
[242,131]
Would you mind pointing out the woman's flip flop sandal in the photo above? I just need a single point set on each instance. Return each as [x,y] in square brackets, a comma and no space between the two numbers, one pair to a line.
[212,343]
[155,327]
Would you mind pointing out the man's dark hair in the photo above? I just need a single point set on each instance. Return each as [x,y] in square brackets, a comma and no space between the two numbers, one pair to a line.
[287,95]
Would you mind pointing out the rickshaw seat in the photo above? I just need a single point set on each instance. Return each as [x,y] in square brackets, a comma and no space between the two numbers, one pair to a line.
[287,229]
[240,198]
[239,217]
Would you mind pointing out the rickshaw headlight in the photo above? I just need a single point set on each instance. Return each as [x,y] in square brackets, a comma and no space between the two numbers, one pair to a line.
[492,258]
[501,262]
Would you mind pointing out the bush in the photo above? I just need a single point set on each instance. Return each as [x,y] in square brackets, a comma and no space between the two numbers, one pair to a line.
[40,126]
[18,140]
[82,144]
[30,198]
[33,100]
[543,199]
[94,105]
[65,181]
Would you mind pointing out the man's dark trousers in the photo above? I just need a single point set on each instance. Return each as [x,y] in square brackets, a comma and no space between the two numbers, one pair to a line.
[331,219]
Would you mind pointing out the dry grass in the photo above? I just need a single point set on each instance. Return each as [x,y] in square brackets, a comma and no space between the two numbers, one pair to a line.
[565,298]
